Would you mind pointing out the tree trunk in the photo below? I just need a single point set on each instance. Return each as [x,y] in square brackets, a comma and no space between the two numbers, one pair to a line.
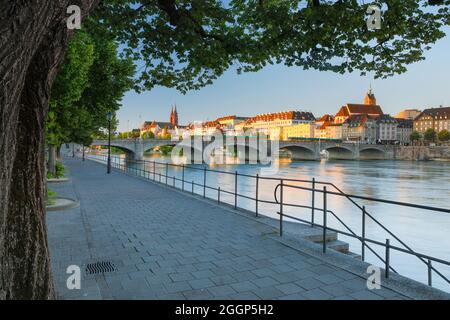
[33,38]
[51,166]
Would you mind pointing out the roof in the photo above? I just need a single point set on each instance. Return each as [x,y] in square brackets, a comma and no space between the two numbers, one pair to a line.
[435,112]
[372,109]
[285,115]
[326,118]
[404,123]
[357,120]
[343,112]
[386,119]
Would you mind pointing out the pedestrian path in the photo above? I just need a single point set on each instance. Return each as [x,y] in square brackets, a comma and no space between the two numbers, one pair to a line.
[164,244]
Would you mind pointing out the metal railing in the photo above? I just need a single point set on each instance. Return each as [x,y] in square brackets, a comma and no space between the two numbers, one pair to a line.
[162,176]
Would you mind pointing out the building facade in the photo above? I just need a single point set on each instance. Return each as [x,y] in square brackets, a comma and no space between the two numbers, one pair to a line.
[410,114]
[404,131]
[386,129]
[360,128]
[433,118]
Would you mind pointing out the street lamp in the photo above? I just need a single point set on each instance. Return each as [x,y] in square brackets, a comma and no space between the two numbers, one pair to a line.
[109,117]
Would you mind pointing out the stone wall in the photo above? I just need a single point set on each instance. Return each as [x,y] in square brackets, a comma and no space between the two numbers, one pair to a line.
[422,153]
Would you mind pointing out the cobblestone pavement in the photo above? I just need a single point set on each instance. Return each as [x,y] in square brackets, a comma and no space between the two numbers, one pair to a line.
[168,245]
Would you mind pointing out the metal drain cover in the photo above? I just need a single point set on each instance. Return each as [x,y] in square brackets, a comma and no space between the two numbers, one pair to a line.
[100,267]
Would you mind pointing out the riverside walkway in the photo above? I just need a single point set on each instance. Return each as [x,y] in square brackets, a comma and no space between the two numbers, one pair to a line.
[165,244]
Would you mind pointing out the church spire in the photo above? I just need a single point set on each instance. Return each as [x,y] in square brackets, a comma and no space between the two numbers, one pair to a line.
[370,99]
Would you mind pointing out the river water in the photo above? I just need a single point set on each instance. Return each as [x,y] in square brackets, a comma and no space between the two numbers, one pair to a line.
[425,183]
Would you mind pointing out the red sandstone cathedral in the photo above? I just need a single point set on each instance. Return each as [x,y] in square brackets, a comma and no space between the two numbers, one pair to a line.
[174,117]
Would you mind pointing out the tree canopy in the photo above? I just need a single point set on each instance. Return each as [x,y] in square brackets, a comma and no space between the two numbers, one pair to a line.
[91,83]
[188,44]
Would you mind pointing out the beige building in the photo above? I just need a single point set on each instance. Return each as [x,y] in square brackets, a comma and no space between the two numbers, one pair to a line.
[434,118]
[333,131]
[301,130]
[410,114]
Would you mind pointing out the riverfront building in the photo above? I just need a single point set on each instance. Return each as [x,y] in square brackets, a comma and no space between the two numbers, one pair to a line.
[433,118]
[361,127]
[369,108]
[409,114]
[386,129]
[404,130]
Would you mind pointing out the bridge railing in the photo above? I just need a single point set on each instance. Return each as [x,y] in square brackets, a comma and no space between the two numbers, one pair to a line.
[159,172]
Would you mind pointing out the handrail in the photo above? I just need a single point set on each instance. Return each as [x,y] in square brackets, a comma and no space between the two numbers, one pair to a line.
[147,174]
[363,239]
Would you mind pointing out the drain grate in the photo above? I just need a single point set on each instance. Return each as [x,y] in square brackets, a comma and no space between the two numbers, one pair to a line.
[100,267]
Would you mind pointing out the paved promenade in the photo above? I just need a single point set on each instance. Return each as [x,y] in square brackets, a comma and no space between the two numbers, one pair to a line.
[169,245]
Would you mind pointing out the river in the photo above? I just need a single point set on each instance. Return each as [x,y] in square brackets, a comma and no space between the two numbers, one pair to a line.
[418,182]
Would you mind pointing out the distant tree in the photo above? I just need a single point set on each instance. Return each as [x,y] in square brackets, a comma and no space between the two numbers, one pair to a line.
[444,135]
[430,135]
[91,83]
[148,135]
[415,136]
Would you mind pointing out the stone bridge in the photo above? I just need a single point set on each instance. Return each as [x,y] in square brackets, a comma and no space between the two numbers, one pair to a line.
[298,150]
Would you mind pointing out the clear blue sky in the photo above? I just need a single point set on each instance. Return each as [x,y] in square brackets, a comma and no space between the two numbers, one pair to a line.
[276,88]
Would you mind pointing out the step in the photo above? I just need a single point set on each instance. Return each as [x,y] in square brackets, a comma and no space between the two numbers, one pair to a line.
[315,234]
[338,245]
[354,255]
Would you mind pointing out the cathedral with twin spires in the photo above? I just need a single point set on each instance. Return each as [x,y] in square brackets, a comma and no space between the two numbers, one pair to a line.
[174,117]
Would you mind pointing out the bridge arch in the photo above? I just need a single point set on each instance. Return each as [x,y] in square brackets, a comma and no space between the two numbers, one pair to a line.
[300,152]
[129,152]
[372,153]
[339,153]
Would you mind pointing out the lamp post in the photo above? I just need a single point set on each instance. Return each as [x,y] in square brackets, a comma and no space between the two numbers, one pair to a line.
[109,116]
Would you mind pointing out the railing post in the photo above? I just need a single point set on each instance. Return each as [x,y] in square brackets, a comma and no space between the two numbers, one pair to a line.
[174,181]
[204,182]
[167,171]
[313,194]
[324,234]
[281,207]
[387,259]
[363,234]
[430,280]
[192,187]
[182,179]
[154,170]
[218,195]
[257,194]
[235,189]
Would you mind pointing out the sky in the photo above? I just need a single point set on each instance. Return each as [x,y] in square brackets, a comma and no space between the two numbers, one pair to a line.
[279,88]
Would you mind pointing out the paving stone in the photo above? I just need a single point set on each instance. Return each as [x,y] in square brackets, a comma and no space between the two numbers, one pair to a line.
[309,283]
[201,283]
[177,286]
[181,276]
[316,294]
[221,291]
[166,245]
[365,295]
[268,293]
[289,288]
[265,282]
[244,286]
